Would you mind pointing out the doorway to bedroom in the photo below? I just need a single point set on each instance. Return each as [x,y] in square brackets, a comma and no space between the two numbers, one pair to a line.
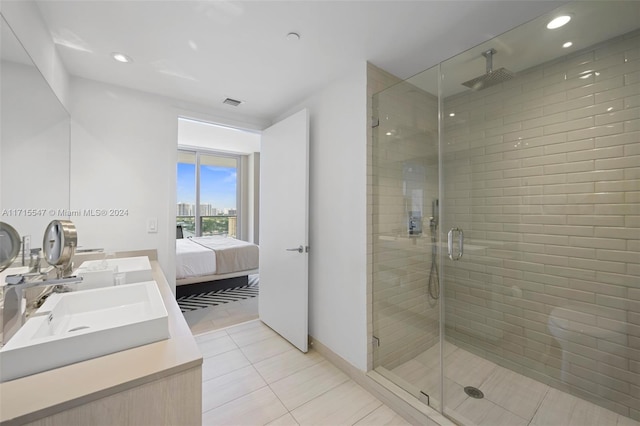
[217,209]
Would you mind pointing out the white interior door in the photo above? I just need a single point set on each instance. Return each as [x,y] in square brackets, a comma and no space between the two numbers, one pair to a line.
[284,213]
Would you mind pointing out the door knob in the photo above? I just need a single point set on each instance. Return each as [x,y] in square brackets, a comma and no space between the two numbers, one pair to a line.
[299,249]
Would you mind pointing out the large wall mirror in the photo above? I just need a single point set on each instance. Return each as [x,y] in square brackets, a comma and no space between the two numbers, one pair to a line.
[34,144]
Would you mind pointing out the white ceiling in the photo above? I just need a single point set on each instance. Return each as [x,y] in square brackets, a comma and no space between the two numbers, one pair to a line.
[205,51]
[592,22]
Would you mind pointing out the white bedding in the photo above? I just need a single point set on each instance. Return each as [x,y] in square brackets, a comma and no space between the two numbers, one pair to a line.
[199,256]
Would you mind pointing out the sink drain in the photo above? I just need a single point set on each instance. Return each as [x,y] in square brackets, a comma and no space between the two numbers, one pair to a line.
[82,327]
[473,392]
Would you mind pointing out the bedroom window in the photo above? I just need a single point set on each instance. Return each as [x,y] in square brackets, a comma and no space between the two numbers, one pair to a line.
[207,195]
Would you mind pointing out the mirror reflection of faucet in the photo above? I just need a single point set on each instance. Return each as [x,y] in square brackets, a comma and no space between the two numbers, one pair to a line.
[59,244]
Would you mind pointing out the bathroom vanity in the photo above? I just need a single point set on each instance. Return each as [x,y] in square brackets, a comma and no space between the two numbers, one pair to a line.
[155,384]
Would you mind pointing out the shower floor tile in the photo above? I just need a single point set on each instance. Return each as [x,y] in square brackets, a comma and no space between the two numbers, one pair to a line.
[509,397]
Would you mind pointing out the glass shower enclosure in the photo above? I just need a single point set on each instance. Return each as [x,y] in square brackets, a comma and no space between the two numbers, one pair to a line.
[506,225]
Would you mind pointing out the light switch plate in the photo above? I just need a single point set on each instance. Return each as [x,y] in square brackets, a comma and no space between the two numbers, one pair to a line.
[152,225]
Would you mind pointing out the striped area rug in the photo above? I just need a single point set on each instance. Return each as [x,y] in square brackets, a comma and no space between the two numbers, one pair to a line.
[218,297]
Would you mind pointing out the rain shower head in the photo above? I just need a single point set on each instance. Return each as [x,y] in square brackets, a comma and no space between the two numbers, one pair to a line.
[492,76]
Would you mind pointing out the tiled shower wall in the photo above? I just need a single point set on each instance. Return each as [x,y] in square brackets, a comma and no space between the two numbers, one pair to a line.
[405,178]
[542,173]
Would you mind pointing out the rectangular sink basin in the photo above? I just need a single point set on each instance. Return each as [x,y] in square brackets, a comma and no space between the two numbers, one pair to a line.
[131,269]
[78,326]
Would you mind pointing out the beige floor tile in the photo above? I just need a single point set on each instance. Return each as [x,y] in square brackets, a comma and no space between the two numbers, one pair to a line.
[266,348]
[514,392]
[342,405]
[431,357]
[467,369]
[282,365]
[210,313]
[626,421]
[587,414]
[455,394]
[306,384]
[238,308]
[561,408]
[202,326]
[383,416]
[256,408]
[483,412]
[210,335]
[219,391]
[556,409]
[246,325]
[410,368]
[233,320]
[286,420]
[222,364]
[251,335]
[426,379]
[217,346]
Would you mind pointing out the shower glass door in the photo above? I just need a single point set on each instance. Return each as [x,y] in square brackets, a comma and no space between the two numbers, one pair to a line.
[535,317]
[540,169]
[405,209]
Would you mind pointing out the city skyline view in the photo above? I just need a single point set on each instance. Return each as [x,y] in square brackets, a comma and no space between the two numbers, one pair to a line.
[217,188]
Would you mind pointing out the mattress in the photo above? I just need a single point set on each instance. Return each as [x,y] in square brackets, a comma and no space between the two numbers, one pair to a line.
[199,256]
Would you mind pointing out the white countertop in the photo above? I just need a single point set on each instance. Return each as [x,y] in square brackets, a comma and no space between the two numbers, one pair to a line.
[40,395]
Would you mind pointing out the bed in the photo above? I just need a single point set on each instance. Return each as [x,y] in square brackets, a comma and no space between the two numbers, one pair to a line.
[203,260]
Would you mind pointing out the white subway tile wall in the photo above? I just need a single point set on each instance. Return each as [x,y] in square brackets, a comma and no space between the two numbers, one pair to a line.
[543,174]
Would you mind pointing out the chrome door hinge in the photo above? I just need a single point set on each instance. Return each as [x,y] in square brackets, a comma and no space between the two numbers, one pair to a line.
[375,122]
[376,341]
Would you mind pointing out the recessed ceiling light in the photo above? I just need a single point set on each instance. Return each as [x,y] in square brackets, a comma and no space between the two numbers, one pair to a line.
[558,22]
[121,57]
[567,44]
[293,36]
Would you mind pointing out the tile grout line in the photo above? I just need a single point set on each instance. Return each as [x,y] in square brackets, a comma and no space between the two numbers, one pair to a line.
[294,372]
[236,398]
[369,413]
[505,408]
[540,404]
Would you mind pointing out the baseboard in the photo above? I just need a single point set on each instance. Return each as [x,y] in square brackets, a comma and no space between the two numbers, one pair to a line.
[400,401]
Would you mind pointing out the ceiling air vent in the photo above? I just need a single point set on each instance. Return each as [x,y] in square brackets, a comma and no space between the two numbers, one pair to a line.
[232,102]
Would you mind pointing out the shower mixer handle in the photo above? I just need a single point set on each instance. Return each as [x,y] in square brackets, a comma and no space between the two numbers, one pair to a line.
[457,255]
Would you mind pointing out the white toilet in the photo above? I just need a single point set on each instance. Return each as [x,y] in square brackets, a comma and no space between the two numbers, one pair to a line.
[569,331]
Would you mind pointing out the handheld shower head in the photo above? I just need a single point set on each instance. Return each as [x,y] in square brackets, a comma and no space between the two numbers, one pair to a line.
[433,220]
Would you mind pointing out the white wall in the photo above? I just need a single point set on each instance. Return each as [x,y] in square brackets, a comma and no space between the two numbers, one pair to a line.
[26,22]
[123,153]
[337,225]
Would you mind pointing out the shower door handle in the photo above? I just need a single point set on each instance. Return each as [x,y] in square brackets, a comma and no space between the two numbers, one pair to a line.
[458,255]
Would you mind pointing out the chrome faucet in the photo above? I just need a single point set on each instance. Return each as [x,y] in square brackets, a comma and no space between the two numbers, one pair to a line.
[13,316]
